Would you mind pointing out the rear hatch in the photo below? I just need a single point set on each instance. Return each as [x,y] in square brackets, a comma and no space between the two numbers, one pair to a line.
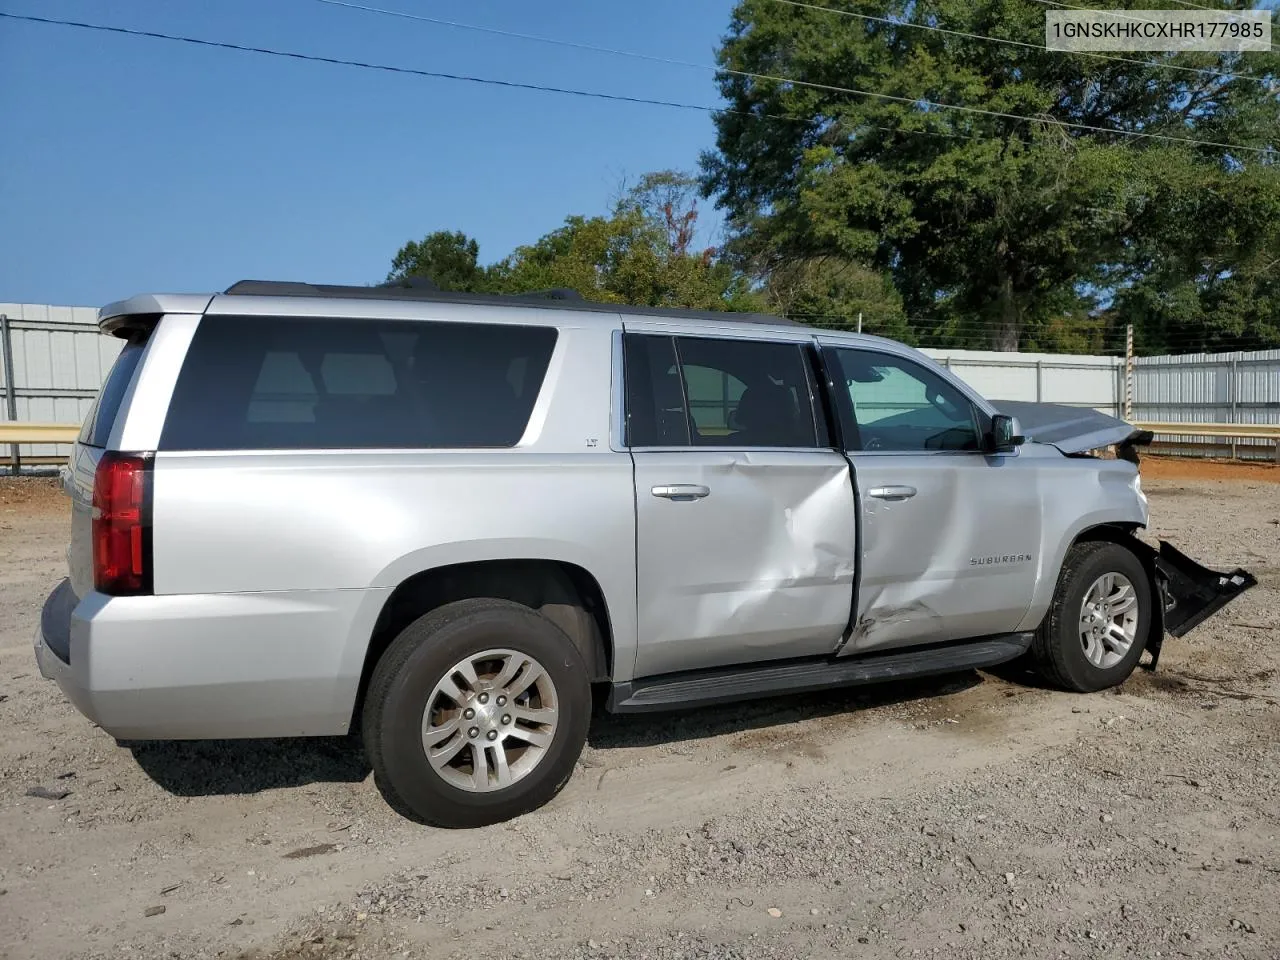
[89,449]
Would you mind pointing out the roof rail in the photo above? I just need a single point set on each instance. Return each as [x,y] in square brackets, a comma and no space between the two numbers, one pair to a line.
[555,293]
[418,288]
[412,283]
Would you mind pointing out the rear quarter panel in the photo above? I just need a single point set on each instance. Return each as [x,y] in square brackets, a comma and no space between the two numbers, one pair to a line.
[281,524]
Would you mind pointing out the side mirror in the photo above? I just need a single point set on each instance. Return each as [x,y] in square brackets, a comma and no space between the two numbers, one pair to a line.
[1006,434]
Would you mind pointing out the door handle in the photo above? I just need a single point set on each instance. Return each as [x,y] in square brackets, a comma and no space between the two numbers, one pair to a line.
[896,492]
[681,491]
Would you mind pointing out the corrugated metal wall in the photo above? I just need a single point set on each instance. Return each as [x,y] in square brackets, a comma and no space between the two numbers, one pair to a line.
[1211,388]
[1078,381]
[59,362]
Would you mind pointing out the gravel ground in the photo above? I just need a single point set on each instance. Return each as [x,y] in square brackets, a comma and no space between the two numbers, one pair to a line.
[976,816]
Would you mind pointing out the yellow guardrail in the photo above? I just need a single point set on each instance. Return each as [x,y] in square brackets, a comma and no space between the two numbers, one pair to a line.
[1262,431]
[21,432]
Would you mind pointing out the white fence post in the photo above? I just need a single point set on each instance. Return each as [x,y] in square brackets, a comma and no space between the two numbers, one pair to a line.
[10,392]
[1128,372]
[1233,385]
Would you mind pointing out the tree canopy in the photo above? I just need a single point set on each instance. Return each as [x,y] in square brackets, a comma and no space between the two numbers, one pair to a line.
[449,259]
[641,253]
[928,166]
[999,231]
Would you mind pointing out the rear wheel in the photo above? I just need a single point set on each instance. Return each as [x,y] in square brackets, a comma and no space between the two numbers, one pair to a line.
[476,713]
[1096,628]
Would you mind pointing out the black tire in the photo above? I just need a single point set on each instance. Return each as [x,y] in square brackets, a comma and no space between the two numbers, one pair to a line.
[1057,652]
[408,672]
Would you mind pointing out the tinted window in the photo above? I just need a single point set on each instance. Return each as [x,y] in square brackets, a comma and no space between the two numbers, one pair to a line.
[655,399]
[254,383]
[713,392]
[900,405]
[102,416]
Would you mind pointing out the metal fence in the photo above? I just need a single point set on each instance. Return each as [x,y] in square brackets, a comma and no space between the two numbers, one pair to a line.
[54,363]
[1078,381]
[1234,388]
[58,360]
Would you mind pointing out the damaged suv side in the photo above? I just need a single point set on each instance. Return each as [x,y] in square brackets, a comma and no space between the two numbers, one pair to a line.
[440,518]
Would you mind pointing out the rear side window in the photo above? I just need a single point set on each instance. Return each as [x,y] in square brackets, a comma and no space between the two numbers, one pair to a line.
[692,391]
[261,383]
[102,416]
[743,393]
[656,415]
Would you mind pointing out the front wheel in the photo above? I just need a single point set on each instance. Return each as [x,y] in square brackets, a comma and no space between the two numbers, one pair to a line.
[476,713]
[1096,628]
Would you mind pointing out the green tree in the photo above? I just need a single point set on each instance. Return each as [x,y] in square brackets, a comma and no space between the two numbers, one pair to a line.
[669,199]
[1203,272]
[831,293]
[1005,231]
[623,258]
[642,253]
[449,259]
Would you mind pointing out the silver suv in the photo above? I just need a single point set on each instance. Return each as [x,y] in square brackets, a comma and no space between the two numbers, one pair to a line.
[440,519]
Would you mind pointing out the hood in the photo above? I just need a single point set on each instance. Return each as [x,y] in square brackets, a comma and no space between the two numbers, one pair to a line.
[1071,429]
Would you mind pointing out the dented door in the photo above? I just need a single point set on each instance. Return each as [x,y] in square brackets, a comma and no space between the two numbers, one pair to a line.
[949,533]
[956,559]
[741,556]
[746,528]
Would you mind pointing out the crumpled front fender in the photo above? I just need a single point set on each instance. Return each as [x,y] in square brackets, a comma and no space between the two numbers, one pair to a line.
[1189,592]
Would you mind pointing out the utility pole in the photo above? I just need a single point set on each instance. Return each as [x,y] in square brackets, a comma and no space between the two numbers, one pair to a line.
[1128,372]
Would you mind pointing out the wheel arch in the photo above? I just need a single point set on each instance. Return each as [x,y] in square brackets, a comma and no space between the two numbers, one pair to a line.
[566,594]
[1125,534]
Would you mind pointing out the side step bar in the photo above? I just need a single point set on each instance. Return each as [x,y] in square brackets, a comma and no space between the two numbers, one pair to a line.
[725,685]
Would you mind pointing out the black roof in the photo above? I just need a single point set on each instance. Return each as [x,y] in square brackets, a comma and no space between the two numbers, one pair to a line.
[423,290]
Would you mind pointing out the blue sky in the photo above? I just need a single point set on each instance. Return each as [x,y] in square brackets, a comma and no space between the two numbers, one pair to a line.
[137,165]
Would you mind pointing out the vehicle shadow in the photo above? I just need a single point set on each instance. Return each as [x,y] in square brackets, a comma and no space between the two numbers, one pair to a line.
[615,731]
[203,768]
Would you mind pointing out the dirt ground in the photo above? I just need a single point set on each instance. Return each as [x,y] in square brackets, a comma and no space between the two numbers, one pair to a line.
[1169,468]
[972,817]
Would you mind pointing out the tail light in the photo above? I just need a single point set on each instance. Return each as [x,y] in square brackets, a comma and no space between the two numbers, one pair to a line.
[122,524]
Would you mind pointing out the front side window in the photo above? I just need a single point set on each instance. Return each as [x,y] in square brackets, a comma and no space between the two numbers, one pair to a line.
[254,383]
[901,406]
[703,391]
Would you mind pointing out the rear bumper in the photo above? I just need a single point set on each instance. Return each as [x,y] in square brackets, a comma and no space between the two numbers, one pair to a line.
[209,666]
[53,648]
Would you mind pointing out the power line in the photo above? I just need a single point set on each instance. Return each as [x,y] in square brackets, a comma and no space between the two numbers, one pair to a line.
[1196,6]
[651,58]
[1015,43]
[554,41]
[1122,14]
[671,61]
[388,68]
[450,76]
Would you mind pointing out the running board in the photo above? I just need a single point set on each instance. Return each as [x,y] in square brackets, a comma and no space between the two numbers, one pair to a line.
[725,685]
